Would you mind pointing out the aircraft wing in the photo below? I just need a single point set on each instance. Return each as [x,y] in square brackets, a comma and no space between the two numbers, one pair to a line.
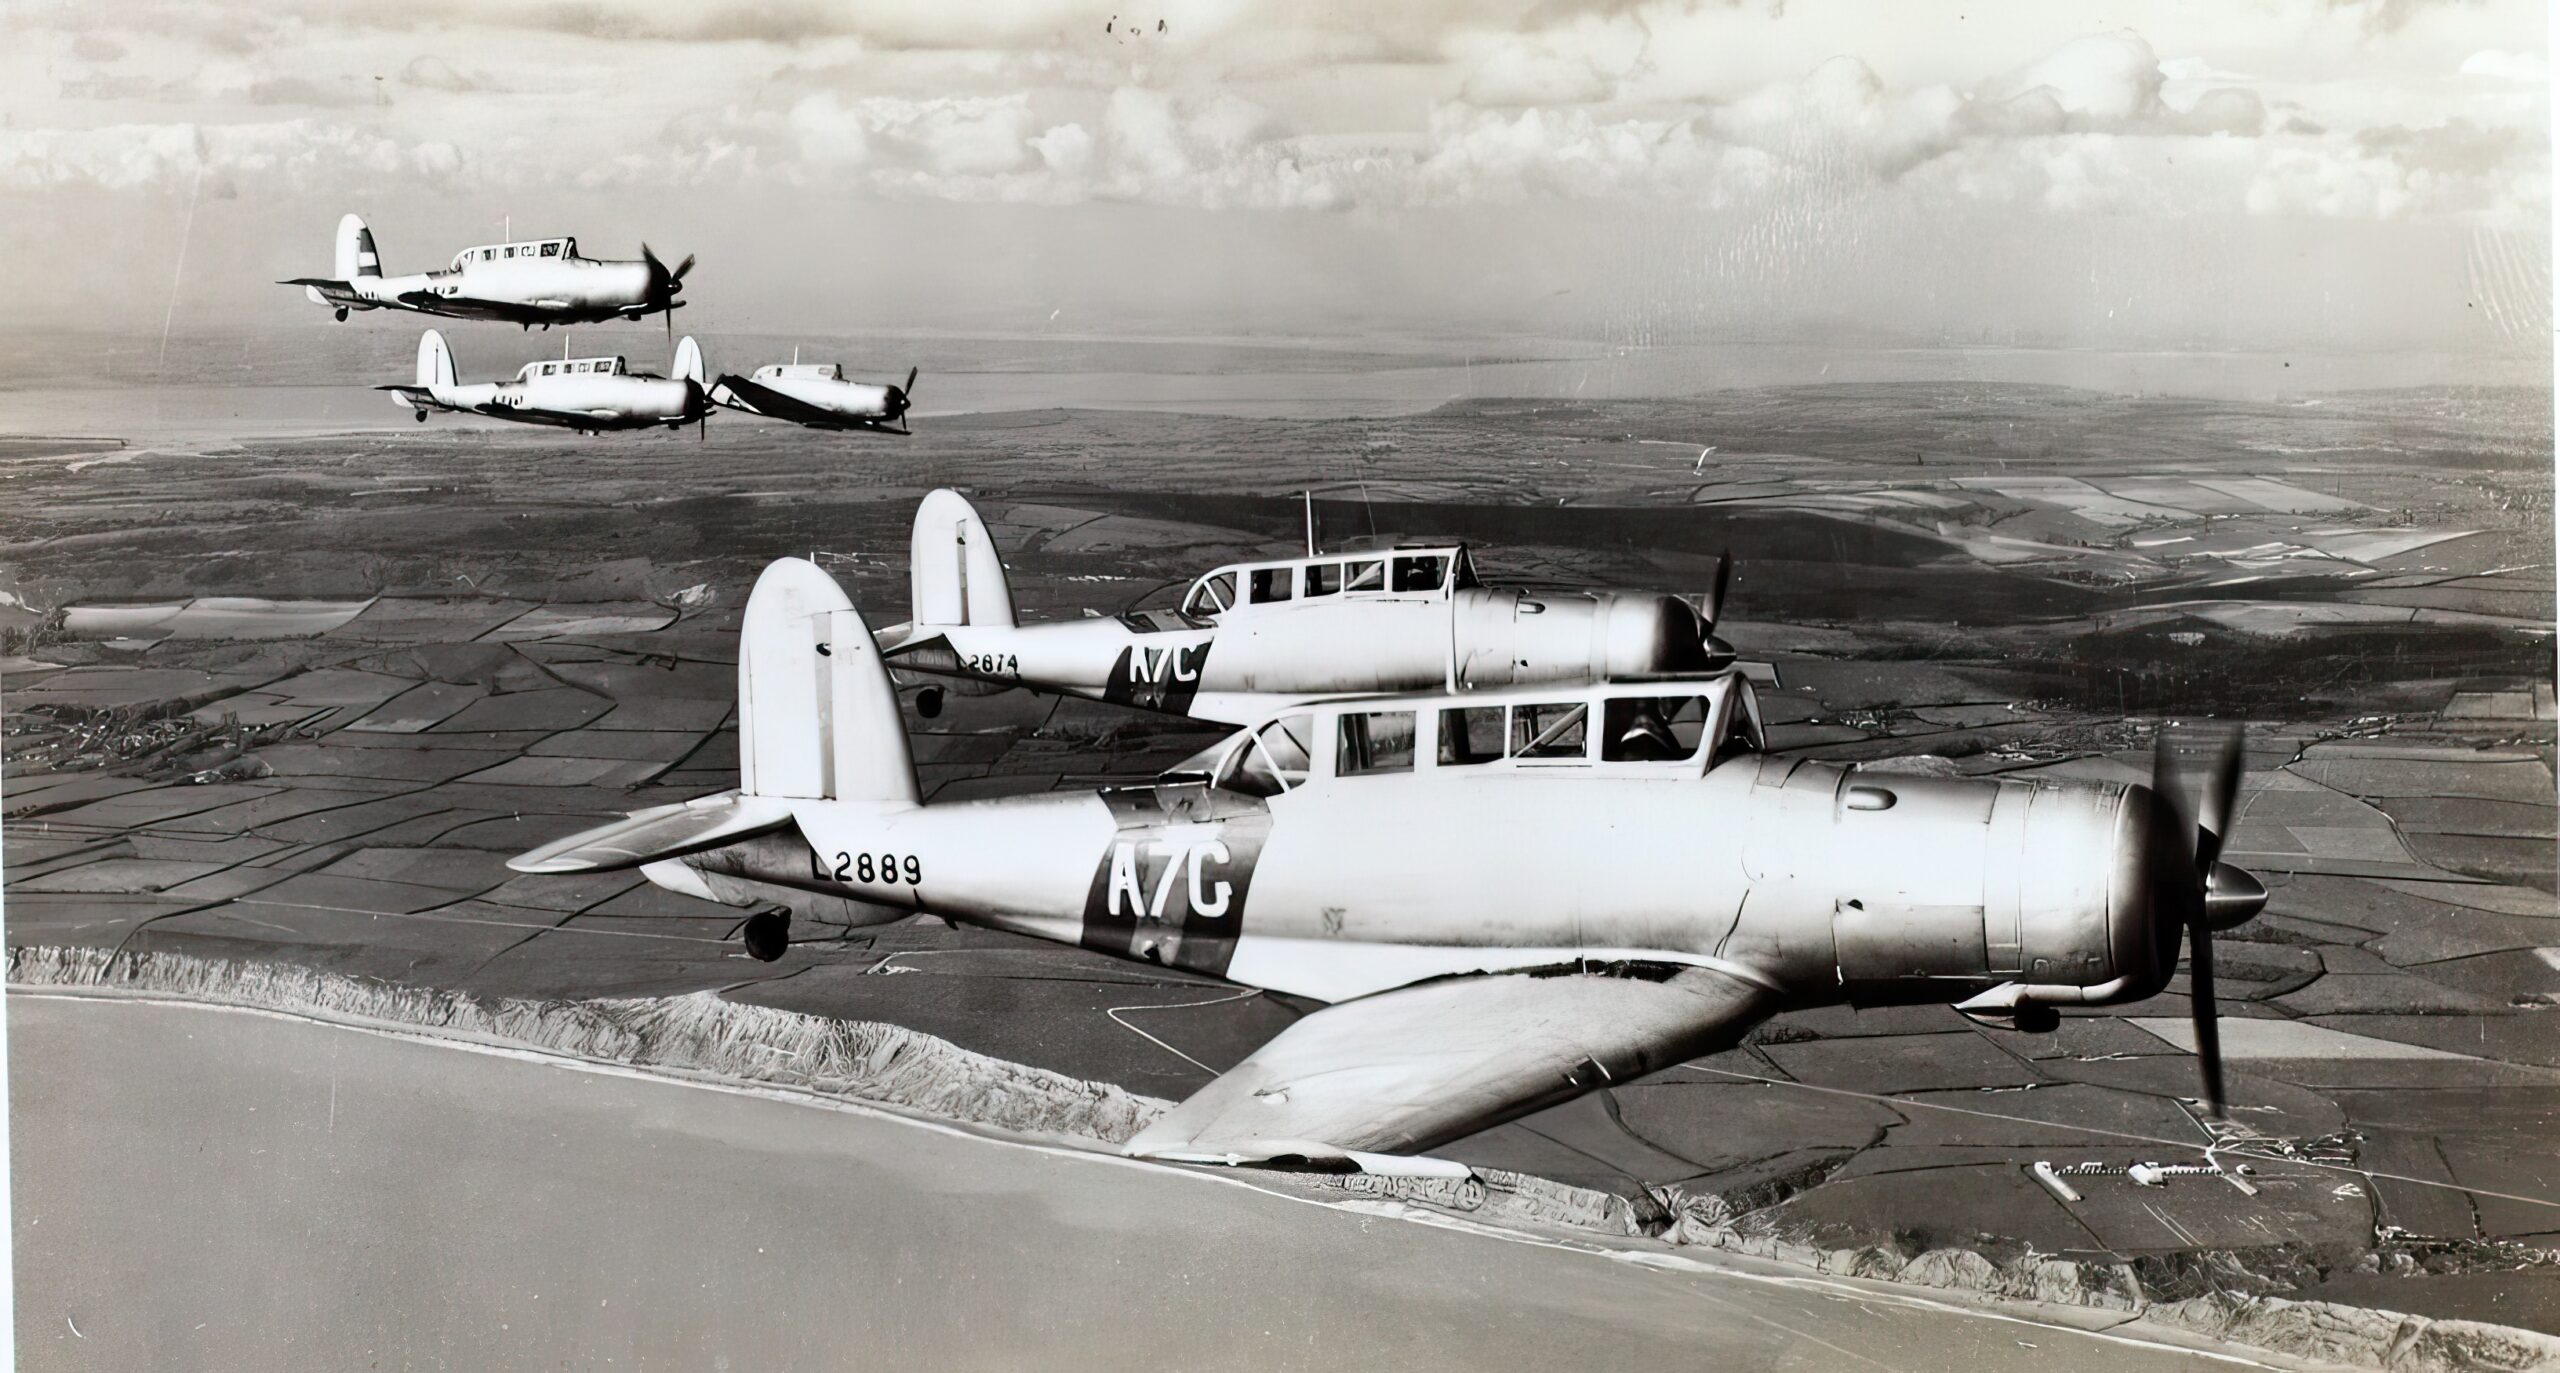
[738,393]
[535,414]
[1406,1071]
[474,307]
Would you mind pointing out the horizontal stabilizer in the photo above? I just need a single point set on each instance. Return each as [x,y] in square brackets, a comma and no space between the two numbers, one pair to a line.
[324,283]
[659,832]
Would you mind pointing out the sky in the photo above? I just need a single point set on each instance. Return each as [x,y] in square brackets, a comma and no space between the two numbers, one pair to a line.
[2355,175]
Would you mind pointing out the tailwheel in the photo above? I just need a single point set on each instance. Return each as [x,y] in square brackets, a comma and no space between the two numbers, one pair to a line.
[342,314]
[768,935]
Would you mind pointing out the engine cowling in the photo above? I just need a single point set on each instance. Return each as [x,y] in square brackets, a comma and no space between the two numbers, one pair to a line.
[1511,638]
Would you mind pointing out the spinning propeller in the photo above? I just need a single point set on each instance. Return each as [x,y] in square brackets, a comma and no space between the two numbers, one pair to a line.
[664,284]
[2194,890]
[894,405]
[1710,608]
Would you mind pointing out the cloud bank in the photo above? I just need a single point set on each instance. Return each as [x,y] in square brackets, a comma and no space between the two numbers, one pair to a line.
[2295,108]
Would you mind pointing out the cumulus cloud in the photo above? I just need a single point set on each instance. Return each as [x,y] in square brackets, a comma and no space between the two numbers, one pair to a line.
[1566,62]
[2329,185]
[430,72]
[2103,79]
[2521,68]
[298,154]
[1572,154]
[1066,150]
[1133,143]
[1243,103]
[296,90]
[2232,110]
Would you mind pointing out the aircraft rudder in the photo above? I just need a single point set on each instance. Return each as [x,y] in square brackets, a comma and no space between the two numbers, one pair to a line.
[954,574]
[689,360]
[817,714]
[435,360]
[356,254]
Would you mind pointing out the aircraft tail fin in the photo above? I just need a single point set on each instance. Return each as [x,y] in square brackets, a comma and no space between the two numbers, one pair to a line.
[954,575]
[817,720]
[356,255]
[689,360]
[435,361]
[817,715]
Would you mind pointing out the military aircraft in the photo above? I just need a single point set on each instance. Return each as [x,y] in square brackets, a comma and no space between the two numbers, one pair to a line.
[586,394]
[1251,635]
[1508,898]
[538,281]
[816,395]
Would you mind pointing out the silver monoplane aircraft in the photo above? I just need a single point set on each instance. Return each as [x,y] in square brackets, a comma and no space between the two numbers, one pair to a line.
[1508,898]
[1255,635]
[586,394]
[539,281]
[816,395]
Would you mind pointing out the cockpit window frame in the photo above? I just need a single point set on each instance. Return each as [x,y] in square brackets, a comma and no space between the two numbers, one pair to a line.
[1208,586]
[1619,717]
[1518,729]
[1252,748]
[1360,750]
[1457,713]
[1284,576]
[1397,585]
[1737,728]
[1577,715]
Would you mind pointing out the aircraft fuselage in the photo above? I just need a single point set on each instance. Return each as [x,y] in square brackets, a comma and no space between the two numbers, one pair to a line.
[1473,638]
[856,402]
[1819,882]
[529,291]
[574,402]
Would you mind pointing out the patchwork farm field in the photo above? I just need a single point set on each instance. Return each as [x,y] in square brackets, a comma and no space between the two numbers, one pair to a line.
[298,698]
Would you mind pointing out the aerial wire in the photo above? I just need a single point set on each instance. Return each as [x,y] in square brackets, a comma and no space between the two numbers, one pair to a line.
[177,278]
